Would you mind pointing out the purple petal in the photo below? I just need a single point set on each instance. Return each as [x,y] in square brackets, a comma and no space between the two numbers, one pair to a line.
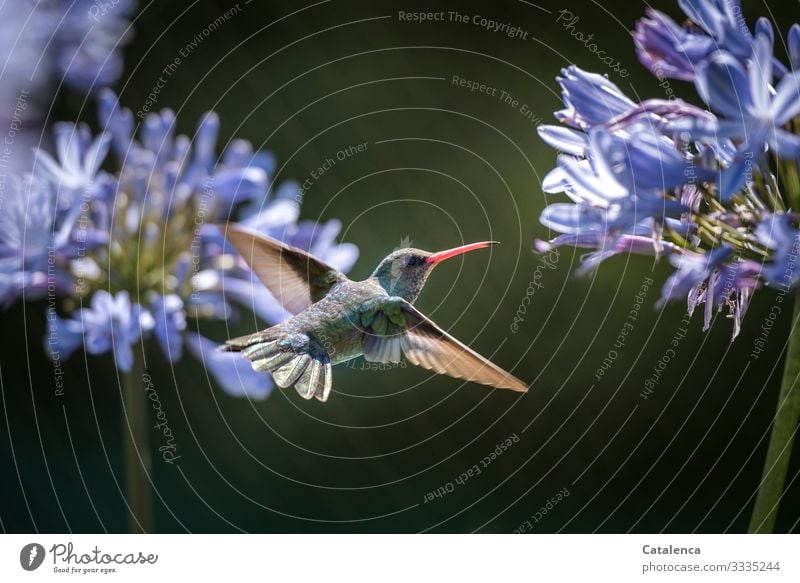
[564,139]
[573,218]
[63,337]
[555,181]
[760,72]
[251,293]
[669,50]
[733,178]
[723,84]
[123,356]
[786,103]
[590,99]
[276,214]
[794,46]
[206,140]
[785,144]
[234,186]
[232,372]
[170,322]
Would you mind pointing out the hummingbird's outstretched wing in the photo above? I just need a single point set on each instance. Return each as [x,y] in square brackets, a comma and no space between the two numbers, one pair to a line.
[296,278]
[393,325]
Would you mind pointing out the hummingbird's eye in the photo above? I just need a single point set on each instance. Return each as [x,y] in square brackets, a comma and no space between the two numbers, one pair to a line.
[415,260]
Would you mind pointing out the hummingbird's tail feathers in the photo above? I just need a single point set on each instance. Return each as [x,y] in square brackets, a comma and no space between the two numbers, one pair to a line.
[293,359]
[316,380]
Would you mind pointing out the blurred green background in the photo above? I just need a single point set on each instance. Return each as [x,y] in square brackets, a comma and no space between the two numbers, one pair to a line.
[442,166]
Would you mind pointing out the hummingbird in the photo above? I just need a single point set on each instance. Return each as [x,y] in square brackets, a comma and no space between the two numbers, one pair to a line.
[336,319]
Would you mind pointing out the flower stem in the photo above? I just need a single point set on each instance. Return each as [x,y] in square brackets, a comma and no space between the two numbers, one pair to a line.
[136,449]
[784,427]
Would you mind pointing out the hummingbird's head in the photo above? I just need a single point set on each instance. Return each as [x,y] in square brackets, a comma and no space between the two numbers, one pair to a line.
[404,271]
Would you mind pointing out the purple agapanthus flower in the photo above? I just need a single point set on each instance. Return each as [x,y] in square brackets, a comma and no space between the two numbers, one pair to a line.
[678,52]
[669,178]
[88,40]
[778,233]
[670,50]
[33,236]
[752,110]
[138,247]
[112,324]
[51,44]
[589,99]
[78,158]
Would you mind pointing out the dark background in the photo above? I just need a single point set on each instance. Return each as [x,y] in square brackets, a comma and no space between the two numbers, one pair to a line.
[443,166]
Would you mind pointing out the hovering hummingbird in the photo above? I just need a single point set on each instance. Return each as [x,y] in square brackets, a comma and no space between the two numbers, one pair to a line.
[336,319]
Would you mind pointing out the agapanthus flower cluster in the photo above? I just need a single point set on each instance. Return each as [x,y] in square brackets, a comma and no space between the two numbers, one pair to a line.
[716,189]
[50,44]
[76,42]
[134,252]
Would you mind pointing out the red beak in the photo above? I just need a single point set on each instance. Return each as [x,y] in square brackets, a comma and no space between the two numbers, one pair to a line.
[442,255]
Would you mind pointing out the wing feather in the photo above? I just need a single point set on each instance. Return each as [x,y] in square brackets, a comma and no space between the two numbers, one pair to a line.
[296,278]
[425,344]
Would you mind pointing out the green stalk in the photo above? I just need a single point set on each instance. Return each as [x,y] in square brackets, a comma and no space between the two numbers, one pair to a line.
[791,179]
[779,451]
[136,448]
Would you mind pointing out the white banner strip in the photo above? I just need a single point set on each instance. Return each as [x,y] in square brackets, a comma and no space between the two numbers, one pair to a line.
[400,558]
